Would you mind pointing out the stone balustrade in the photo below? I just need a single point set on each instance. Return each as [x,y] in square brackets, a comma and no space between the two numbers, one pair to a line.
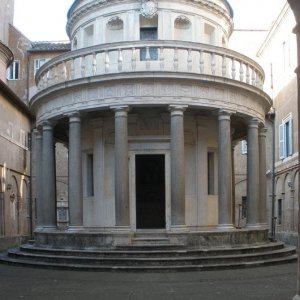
[150,56]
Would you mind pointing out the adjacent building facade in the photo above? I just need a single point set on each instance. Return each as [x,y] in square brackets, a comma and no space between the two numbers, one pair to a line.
[15,127]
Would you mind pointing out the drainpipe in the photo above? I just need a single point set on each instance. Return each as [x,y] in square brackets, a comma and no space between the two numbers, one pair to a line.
[295,5]
[272,115]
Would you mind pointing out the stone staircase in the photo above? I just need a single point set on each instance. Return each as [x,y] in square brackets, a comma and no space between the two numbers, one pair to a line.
[151,255]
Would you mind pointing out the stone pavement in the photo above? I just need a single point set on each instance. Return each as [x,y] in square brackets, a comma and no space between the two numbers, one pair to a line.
[268,283]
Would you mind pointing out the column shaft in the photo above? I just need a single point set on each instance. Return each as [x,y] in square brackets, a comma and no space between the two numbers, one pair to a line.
[48,178]
[75,172]
[253,174]
[38,177]
[262,177]
[225,171]
[121,167]
[177,166]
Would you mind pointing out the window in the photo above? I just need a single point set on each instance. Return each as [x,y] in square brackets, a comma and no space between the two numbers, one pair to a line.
[9,130]
[211,173]
[244,148]
[279,212]
[13,72]
[147,34]
[90,175]
[286,138]
[38,63]
[24,138]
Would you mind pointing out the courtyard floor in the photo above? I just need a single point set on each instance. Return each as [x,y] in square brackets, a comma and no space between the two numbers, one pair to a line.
[268,283]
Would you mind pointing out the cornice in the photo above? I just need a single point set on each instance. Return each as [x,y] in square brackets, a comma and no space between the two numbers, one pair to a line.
[5,54]
[76,14]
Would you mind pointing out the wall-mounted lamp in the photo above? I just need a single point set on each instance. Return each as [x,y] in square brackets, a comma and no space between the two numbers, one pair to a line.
[290,185]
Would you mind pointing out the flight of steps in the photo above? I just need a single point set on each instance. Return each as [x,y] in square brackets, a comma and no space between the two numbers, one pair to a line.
[151,255]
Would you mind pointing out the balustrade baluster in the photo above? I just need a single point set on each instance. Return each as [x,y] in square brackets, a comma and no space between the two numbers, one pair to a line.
[120,60]
[72,69]
[161,58]
[64,71]
[224,66]
[45,80]
[148,57]
[201,61]
[248,74]
[175,62]
[253,77]
[94,64]
[190,60]
[233,68]
[133,59]
[241,71]
[213,63]
[55,74]
[106,62]
[83,59]
[48,78]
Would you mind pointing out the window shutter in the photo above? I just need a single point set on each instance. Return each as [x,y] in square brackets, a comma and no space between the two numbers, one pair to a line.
[282,147]
[290,132]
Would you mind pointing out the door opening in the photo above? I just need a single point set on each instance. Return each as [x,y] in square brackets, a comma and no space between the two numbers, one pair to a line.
[150,191]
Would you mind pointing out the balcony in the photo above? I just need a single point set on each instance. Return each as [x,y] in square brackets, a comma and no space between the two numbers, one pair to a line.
[136,57]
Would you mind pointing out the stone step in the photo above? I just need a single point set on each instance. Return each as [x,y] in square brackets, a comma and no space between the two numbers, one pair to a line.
[138,251]
[173,268]
[139,258]
[150,261]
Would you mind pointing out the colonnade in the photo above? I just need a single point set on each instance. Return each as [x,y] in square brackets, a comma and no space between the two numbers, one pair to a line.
[256,171]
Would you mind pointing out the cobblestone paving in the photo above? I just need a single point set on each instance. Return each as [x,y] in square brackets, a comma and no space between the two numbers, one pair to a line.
[268,283]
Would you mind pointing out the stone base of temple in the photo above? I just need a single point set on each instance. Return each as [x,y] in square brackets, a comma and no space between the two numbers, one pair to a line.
[116,237]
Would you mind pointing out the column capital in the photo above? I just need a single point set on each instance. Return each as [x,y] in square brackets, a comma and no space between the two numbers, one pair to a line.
[253,123]
[123,108]
[177,108]
[38,134]
[74,116]
[224,114]
[263,132]
[47,125]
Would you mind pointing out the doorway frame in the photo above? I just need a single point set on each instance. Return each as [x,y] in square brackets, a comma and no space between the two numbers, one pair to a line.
[149,149]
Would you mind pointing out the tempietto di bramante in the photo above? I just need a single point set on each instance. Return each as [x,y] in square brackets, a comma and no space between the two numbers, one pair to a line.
[150,103]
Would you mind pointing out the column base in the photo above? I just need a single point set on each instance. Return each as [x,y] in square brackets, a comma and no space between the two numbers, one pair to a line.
[297,297]
[179,228]
[75,228]
[254,226]
[226,227]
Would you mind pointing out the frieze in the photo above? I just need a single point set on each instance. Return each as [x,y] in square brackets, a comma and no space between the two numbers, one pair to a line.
[154,93]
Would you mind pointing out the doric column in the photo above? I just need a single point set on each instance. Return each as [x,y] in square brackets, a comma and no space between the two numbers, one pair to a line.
[177,165]
[262,176]
[121,166]
[253,173]
[48,177]
[225,170]
[38,177]
[75,171]
[233,202]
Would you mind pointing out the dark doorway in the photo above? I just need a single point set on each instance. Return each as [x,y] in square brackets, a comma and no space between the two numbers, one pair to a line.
[150,191]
